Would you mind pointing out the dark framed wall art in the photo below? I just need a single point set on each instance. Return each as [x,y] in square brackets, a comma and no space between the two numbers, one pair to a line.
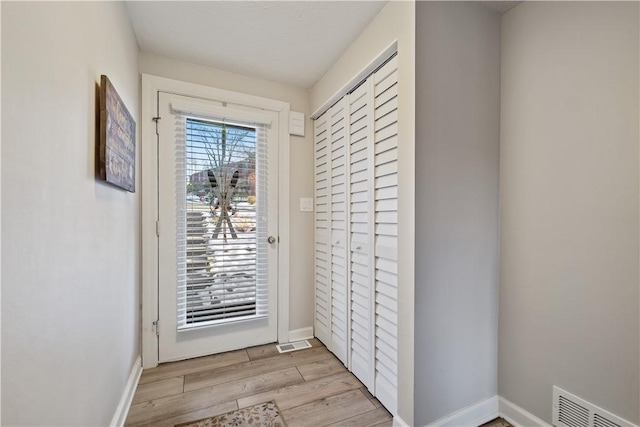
[117,139]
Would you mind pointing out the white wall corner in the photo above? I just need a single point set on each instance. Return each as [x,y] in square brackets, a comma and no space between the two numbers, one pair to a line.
[301,334]
[399,422]
[472,416]
[122,410]
[517,416]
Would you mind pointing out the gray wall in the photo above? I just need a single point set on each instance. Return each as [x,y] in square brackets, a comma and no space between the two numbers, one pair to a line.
[457,148]
[569,205]
[70,244]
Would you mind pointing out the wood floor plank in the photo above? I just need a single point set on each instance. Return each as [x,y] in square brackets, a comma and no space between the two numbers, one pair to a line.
[328,410]
[373,400]
[315,342]
[375,417]
[330,393]
[322,368]
[300,394]
[262,351]
[157,389]
[238,371]
[172,406]
[185,367]
[211,411]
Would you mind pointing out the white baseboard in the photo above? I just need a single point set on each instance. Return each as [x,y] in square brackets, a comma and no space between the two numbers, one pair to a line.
[301,334]
[517,416]
[399,422]
[122,410]
[473,415]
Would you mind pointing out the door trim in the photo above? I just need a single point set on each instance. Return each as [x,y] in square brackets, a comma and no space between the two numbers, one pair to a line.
[151,85]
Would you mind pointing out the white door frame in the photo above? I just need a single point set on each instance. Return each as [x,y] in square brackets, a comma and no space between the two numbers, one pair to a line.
[151,85]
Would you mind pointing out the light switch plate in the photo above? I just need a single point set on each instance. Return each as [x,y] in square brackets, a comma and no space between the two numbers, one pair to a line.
[306,204]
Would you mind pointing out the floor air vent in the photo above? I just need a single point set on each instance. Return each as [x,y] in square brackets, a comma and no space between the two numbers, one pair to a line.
[571,411]
[293,346]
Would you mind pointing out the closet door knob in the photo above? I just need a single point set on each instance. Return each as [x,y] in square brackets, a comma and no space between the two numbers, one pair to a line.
[271,240]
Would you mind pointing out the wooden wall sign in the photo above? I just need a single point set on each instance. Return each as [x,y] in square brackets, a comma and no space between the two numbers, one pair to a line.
[117,139]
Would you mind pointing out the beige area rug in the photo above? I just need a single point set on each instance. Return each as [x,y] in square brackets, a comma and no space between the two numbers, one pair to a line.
[264,414]
[498,422]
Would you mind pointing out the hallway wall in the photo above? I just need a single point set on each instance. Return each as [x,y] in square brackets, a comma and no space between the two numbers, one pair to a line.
[569,167]
[70,244]
[457,174]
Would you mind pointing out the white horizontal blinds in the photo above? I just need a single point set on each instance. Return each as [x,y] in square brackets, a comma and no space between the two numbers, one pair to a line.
[221,182]
[196,257]
[243,216]
[361,232]
[338,223]
[386,233]
[322,162]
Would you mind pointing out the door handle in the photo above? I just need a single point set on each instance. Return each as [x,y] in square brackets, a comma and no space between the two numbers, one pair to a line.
[271,240]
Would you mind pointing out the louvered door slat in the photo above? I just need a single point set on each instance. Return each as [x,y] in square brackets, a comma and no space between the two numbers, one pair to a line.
[322,163]
[387,77]
[384,95]
[385,133]
[339,261]
[362,346]
[386,144]
[386,238]
[385,108]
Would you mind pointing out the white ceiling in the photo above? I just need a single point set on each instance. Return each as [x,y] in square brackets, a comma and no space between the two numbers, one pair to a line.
[293,42]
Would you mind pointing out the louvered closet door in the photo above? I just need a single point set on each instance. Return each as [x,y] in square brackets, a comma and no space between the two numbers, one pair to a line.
[386,233]
[357,229]
[361,233]
[322,162]
[338,225]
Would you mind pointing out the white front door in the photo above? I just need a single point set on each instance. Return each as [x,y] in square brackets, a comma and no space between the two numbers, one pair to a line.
[217,209]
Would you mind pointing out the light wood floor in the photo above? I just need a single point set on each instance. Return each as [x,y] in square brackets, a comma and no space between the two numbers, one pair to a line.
[311,388]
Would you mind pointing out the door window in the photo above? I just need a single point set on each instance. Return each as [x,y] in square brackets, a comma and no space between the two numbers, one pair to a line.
[219,214]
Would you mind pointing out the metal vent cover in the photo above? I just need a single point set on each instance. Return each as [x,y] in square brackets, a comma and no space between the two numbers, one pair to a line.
[571,414]
[571,411]
[599,421]
[293,346]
